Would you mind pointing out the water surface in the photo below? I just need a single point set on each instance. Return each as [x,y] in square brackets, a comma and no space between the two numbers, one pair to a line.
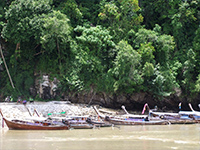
[165,137]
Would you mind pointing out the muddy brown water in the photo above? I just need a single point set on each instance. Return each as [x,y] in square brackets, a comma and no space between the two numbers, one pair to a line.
[164,137]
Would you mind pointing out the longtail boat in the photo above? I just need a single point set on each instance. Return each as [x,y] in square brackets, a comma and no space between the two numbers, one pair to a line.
[17,124]
[192,114]
[98,122]
[128,121]
[173,118]
[102,116]
[78,122]
[116,115]
[133,116]
[81,126]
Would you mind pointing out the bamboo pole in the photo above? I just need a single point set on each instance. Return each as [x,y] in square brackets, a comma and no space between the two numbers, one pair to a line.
[6,67]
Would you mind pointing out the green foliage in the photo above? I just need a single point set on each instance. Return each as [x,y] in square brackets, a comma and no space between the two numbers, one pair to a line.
[163,45]
[158,82]
[188,74]
[126,69]
[148,69]
[120,17]
[129,12]
[89,9]
[156,49]
[197,84]
[1,61]
[112,46]
[196,48]
[21,16]
[29,24]
[163,82]
[109,13]
[97,43]
[185,16]
[2,13]
[24,81]
[146,51]
[74,83]
[55,32]
[144,36]
[70,8]
[93,57]
[159,12]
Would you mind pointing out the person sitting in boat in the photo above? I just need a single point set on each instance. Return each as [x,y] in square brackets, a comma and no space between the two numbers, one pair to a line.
[31,100]
[155,109]
[11,98]
[179,106]
[19,100]
[24,102]
[146,119]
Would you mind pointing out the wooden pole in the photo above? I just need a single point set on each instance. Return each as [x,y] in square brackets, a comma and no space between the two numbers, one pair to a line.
[28,110]
[35,110]
[6,67]
[2,119]
[123,107]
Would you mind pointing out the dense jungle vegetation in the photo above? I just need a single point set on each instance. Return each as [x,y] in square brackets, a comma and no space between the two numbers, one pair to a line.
[110,46]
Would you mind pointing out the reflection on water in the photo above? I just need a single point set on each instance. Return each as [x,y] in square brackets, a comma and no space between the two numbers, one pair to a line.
[167,137]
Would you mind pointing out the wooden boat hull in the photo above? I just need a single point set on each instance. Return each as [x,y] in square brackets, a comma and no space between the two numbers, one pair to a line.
[32,126]
[78,124]
[99,123]
[81,126]
[135,122]
[173,118]
[183,121]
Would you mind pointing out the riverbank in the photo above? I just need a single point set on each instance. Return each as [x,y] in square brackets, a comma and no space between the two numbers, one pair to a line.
[44,109]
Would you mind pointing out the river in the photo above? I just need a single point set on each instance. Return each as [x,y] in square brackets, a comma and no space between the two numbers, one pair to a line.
[164,137]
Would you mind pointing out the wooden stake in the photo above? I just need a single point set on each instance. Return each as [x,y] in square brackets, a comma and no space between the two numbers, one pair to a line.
[2,119]
[2,123]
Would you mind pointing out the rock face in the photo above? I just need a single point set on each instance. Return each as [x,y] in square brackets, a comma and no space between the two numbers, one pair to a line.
[48,89]
[134,101]
[45,88]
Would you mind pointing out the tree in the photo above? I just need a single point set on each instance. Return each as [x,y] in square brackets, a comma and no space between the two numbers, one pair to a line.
[24,19]
[188,84]
[182,20]
[97,41]
[42,37]
[196,49]
[146,51]
[126,69]
[90,10]
[120,17]
[70,8]
[55,37]
[163,44]
[156,49]
[159,12]
[93,55]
